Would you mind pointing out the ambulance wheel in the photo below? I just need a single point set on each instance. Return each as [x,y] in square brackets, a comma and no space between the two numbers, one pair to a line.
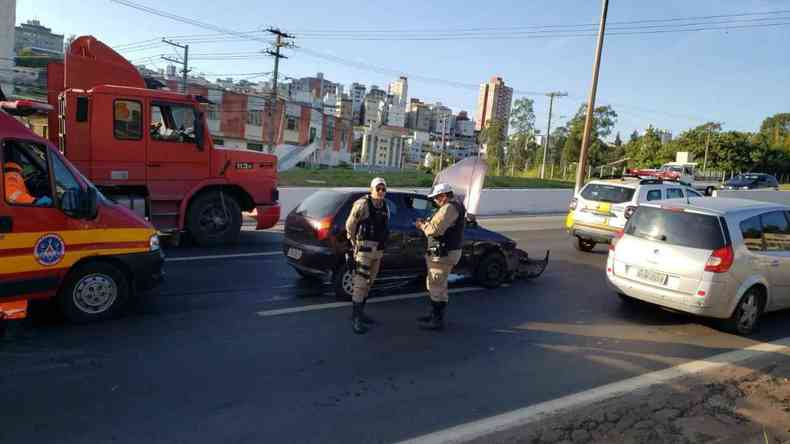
[214,219]
[343,281]
[93,292]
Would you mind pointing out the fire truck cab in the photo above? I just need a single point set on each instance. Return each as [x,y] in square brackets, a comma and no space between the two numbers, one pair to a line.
[59,236]
[149,149]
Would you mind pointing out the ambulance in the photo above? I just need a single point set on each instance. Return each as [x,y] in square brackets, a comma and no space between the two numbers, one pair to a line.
[60,238]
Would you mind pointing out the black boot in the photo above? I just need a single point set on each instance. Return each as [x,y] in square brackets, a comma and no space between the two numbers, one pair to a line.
[427,317]
[436,322]
[356,320]
[365,318]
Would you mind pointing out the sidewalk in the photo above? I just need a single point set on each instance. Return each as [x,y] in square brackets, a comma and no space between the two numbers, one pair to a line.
[747,403]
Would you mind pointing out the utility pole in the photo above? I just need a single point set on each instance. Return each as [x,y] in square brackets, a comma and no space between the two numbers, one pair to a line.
[278,43]
[591,102]
[185,63]
[551,96]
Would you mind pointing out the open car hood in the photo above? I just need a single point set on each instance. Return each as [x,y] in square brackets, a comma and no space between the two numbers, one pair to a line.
[467,178]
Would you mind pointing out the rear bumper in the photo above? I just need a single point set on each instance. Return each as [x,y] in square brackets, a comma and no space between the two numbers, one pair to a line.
[314,260]
[589,232]
[268,216]
[147,268]
[716,303]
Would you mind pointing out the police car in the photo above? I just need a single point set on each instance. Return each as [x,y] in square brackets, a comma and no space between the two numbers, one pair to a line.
[602,207]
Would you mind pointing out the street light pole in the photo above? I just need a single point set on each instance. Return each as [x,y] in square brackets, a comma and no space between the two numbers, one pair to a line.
[591,102]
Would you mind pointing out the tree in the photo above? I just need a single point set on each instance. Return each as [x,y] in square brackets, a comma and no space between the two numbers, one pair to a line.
[522,117]
[775,130]
[493,138]
[603,121]
[643,151]
[634,136]
[617,140]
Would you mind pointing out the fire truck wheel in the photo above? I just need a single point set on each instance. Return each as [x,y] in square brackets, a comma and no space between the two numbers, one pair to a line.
[94,291]
[214,219]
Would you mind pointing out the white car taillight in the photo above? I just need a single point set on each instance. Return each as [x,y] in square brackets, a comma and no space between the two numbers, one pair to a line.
[720,260]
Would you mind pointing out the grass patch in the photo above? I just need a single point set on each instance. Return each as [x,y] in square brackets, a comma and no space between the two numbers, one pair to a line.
[345,177]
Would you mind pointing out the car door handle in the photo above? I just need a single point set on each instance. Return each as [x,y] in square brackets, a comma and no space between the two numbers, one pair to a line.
[154,165]
[6,224]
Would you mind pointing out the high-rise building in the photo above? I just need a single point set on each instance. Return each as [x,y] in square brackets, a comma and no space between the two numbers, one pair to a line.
[357,93]
[7,21]
[399,89]
[493,103]
[40,39]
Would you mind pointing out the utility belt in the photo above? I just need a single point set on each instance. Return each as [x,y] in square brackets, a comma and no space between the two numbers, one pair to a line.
[437,249]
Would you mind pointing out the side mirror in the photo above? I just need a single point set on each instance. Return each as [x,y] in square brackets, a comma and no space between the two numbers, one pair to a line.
[70,202]
[80,204]
[199,130]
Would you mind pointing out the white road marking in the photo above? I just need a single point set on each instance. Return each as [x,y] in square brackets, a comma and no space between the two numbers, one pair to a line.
[222,256]
[331,305]
[520,417]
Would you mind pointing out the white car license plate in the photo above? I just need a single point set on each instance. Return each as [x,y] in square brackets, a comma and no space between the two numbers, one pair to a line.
[652,276]
[294,253]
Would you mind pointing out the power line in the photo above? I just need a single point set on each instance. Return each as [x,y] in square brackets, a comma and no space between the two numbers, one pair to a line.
[551,26]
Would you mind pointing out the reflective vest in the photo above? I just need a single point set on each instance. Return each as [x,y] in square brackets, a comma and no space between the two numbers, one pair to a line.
[15,189]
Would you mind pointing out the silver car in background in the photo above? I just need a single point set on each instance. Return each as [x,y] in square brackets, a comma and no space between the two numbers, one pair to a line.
[720,258]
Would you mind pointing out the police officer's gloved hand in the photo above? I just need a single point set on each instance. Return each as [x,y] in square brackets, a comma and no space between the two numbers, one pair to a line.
[43,201]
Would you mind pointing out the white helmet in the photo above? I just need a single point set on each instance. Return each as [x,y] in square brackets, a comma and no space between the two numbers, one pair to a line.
[376,182]
[440,188]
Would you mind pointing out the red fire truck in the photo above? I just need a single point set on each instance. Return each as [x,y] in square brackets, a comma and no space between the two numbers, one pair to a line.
[149,149]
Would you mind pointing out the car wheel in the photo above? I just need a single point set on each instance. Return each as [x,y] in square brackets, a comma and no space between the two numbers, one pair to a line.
[214,219]
[709,191]
[584,245]
[343,280]
[93,292]
[492,270]
[746,316]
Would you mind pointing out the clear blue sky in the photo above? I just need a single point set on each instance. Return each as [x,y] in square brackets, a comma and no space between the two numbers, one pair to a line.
[670,80]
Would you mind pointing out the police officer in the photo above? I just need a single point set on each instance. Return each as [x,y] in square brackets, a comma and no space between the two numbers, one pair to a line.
[368,230]
[445,232]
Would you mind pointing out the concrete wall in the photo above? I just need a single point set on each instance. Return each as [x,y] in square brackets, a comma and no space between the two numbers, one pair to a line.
[781,197]
[493,202]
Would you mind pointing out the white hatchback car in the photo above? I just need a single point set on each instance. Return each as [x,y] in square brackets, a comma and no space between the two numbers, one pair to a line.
[601,207]
[721,258]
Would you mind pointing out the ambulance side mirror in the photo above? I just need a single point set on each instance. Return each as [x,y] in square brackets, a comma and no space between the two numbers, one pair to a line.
[80,204]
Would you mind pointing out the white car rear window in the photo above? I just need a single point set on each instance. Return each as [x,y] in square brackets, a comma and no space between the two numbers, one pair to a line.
[680,228]
[607,193]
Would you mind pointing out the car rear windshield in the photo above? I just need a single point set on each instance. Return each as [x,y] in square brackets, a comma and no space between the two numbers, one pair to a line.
[321,204]
[680,228]
[607,193]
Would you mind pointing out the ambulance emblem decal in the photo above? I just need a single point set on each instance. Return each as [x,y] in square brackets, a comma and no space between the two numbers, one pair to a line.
[49,250]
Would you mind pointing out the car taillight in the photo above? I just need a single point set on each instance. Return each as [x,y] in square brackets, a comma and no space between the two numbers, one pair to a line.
[321,227]
[572,205]
[617,236]
[720,260]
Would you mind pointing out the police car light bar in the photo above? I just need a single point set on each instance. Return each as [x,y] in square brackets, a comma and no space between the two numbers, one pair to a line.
[25,107]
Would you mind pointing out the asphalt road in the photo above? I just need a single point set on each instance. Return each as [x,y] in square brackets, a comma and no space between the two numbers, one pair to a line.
[206,358]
